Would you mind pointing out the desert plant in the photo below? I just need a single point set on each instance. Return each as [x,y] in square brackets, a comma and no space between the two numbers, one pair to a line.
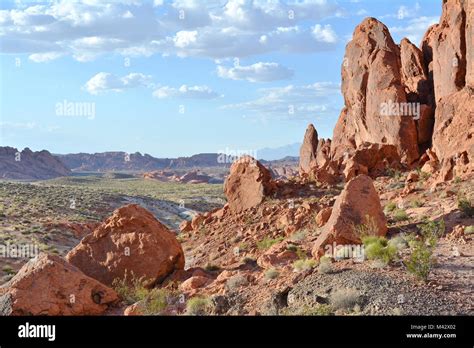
[325,265]
[319,309]
[400,215]
[236,282]
[378,248]
[465,206]
[421,260]
[199,306]
[469,229]
[304,265]
[271,273]
[389,207]
[267,242]
[369,228]
[344,299]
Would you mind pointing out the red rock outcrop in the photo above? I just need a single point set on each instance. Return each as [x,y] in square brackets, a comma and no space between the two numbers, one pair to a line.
[445,44]
[448,48]
[372,85]
[48,285]
[132,240]
[371,159]
[357,204]
[308,150]
[247,185]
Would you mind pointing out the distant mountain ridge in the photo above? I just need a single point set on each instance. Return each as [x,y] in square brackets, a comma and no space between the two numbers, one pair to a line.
[28,165]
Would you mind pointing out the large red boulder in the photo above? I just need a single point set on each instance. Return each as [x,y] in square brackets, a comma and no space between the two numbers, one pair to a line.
[357,205]
[48,285]
[132,240]
[247,185]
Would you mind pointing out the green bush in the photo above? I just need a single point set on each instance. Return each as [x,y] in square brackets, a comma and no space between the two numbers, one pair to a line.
[389,207]
[465,206]
[400,215]
[198,306]
[267,242]
[420,261]
[469,230]
[378,248]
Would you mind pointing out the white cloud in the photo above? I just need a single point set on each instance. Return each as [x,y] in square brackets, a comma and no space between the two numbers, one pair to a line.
[414,29]
[258,72]
[191,92]
[299,101]
[45,57]
[87,29]
[103,82]
[324,34]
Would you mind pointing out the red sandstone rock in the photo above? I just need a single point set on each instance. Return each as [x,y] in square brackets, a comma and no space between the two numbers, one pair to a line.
[132,240]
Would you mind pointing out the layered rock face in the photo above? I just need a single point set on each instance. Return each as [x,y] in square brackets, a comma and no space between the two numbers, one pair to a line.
[358,204]
[448,47]
[132,240]
[29,165]
[374,95]
[48,285]
[247,185]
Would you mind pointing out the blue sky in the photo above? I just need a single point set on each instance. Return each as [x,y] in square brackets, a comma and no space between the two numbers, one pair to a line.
[175,78]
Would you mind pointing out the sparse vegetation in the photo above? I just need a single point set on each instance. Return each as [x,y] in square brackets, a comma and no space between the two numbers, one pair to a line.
[319,309]
[236,282]
[133,290]
[199,306]
[389,207]
[420,261]
[267,242]
[378,248]
[325,265]
[369,228]
[271,273]
[400,215]
[304,265]
[469,230]
[344,299]
[465,206]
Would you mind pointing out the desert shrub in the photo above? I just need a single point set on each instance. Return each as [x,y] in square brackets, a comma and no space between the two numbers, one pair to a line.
[398,242]
[8,270]
[421,260]
[271,273]
[267,242]
[389,207]
[344,299]
[416,203]
[325,265]
[236,282]
[319,309]
[457,180]
[369,228]
[211,267]
[400,215]
[394,173]
[198,306]
[304,265]
[132,290]
[299,235]
[465,206]
[378,248]
[469,230]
